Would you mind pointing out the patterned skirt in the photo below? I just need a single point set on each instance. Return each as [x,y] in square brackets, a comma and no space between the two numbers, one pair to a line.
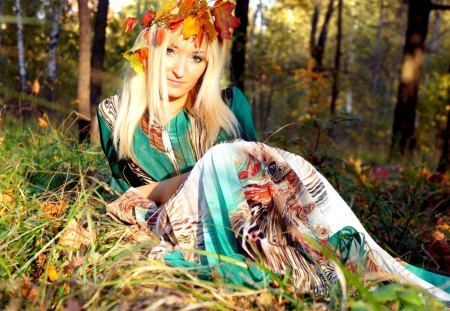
[248,208]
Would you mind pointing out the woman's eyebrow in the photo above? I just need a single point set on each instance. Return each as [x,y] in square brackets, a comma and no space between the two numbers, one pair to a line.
[198,52]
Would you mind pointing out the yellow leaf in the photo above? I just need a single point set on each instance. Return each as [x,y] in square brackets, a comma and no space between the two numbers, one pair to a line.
[2,139]
[36,87]
[7,196]
[52,273]
[191,27]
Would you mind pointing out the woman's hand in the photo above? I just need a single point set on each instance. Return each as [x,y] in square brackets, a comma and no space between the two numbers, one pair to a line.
[161,192]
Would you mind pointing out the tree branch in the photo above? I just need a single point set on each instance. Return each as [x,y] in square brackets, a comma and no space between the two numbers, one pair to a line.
[440,7]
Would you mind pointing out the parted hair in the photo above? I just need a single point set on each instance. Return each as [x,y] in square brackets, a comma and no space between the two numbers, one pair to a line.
[146,92]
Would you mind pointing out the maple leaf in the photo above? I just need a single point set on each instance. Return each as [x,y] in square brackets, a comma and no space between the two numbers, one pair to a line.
[167,6]
[148,18]
[129,24]
[205,21]
[223,19]
[191,27]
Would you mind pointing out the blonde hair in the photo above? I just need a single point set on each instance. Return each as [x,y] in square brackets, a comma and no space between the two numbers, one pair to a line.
[147,91]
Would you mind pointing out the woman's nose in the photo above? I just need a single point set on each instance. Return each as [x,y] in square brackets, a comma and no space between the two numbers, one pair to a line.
[179,67]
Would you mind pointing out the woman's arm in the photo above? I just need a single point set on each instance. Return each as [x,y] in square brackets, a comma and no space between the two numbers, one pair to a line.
[161,192]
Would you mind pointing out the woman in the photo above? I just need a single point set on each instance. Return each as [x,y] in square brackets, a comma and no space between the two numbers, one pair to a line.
[241,200]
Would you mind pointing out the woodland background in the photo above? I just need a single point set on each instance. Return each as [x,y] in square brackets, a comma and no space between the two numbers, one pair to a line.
[359,88]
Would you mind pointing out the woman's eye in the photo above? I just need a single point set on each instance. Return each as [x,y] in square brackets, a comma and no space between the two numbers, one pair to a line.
[197,59]
[170,51]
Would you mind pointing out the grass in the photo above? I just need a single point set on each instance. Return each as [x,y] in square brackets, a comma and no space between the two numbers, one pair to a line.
[59,250]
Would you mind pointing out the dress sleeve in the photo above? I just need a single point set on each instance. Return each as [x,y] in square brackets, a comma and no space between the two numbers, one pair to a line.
[106,116]
[240,106]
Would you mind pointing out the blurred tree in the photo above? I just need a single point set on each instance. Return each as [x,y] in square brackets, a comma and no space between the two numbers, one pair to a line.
[84,69]
[52,51]
[239,44]
[21,50]
[404,126]
[444,161]
[337,60]
[98,54]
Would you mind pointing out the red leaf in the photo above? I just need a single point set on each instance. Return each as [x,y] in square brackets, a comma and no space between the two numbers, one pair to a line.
[129,24]
[223,18]
[174,26]
[199,39]
[160,36]
[148,18]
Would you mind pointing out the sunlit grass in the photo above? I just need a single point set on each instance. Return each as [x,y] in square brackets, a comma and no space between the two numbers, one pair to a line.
[50,184]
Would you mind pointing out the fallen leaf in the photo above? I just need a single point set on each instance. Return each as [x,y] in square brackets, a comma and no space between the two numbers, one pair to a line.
[72,304]
[53,274]
[75,236]
[54,210]
[7,196]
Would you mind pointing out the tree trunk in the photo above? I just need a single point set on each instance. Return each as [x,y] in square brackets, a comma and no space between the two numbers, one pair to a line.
[239,43]
[2,4]
[52,52]
[84,69]
[21,49]
[337,60]
[98,53]
[377,52]
[320,45]
[403,133]
[444,161]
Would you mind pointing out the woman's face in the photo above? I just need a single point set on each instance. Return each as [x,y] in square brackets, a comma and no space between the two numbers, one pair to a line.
[185,64]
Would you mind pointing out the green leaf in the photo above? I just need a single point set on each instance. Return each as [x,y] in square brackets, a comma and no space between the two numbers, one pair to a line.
[411,296]
[385,293]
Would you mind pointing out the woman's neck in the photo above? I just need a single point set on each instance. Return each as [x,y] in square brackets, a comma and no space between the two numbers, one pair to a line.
[178,104]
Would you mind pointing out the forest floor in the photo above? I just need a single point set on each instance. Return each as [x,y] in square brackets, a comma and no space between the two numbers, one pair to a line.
[59,250]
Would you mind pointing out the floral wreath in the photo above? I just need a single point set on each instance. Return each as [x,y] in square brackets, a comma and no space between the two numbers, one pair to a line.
[195,18]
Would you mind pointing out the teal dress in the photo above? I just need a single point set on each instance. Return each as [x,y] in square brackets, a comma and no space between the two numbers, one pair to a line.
[152,161]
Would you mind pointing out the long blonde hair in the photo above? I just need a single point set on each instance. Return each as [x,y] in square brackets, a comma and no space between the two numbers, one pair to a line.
[147,91]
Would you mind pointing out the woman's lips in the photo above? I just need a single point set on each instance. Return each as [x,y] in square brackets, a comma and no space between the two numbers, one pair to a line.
[175,82]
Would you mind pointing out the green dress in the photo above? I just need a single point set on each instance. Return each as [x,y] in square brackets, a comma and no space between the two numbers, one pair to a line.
[152,162]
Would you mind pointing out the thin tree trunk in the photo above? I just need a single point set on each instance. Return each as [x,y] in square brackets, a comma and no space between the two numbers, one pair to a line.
[21,49]
[323,35]
[251,58]
[2,5]
[403,133]
[98,53]
[239,44]
[337,60]
[84,69]
[52,52]
[377,52]
[314,21]
[444,161]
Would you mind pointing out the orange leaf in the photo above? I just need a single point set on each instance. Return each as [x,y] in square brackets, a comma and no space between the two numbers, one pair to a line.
[148,18]
[224,19]
[199,39]
[36,87]
[2,139]
[191,27]
[54,209]
[129,24]
[160,35]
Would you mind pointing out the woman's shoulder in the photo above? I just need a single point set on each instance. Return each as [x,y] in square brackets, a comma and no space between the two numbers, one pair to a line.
[107,109]
[232,94]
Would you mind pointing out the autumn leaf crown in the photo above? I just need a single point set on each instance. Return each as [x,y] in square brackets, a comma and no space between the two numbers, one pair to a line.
[195,18]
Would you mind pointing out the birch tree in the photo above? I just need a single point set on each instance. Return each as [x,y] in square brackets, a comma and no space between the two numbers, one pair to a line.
[52,67]
[84,69]
[21,49]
